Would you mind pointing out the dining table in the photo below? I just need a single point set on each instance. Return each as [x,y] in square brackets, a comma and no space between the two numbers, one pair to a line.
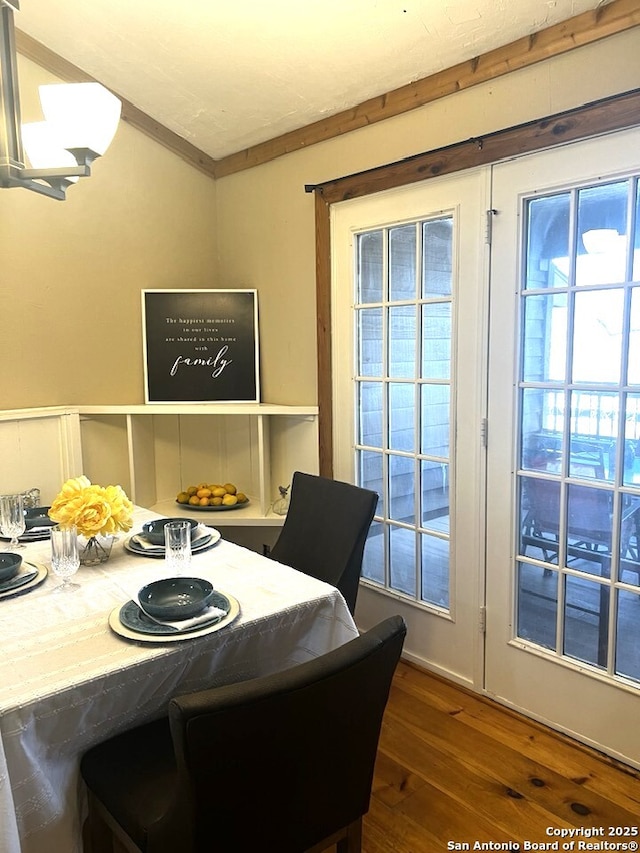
[72,676]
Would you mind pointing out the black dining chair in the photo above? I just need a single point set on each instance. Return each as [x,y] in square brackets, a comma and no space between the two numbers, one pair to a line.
[284,762]
[325,531]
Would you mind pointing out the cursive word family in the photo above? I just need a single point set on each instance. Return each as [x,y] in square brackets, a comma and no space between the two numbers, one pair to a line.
[218,362]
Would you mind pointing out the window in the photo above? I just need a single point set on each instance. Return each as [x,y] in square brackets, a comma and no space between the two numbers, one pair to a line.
[580,425]
[403,332]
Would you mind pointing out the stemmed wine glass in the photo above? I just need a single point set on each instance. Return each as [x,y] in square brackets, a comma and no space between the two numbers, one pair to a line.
[65,558]
[12,521]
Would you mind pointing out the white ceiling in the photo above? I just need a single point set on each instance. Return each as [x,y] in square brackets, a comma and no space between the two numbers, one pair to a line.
[227,75]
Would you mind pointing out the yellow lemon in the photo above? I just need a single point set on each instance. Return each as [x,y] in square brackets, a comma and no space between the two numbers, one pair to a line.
[219,492]
[229,500]
[230,489]
[204,493]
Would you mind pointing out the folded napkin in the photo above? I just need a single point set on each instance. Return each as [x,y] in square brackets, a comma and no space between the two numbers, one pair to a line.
[201,532]
[205,615]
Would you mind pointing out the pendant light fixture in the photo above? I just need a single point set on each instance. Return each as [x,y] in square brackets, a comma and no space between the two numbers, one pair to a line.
[80,121]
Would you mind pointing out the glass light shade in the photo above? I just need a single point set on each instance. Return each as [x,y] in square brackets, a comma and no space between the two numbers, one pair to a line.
[82,115]
[43,149]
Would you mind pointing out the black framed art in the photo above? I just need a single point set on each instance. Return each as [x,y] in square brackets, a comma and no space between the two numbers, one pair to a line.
[201,346]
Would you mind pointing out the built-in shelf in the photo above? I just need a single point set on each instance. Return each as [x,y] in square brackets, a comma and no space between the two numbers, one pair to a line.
[155,451]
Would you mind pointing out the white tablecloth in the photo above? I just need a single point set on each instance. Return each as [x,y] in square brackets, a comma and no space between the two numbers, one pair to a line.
[67,681]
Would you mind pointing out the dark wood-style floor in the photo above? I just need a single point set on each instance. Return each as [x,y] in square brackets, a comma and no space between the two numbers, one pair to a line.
[454,768]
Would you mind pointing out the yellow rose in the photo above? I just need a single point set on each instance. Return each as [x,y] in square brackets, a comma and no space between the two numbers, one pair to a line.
[71,489]
[121,509]
[93,509]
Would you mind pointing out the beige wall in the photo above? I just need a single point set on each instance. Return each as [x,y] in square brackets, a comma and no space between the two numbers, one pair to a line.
[72,271]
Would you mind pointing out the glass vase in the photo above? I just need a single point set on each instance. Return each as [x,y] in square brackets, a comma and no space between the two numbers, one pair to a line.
[95,549]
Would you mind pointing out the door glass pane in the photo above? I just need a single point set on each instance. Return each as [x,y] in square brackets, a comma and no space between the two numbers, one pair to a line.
[602,228]
[628,641]
[541,429]
[373,558]
[370,415]
[437,255]
[597,338]
[401,416]
[404,416]
[435,570]
[579,446]
[540,519]
[402,262]
[436,402]
[634,332]
[589,530]
[636,242]
[594,434]
[402,489]
[370,342]
[632,440]
[435,496]
[630,540]
[537,605]
[545,344]
[402,342]
[436,340]
[370,473]
[402,547]
[548,242]
[370,267]
[586,617]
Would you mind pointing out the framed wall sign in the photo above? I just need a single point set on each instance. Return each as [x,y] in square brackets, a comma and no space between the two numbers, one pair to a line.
[200,346]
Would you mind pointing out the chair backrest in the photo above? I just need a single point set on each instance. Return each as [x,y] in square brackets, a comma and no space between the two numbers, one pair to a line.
[284,761]
[325,531]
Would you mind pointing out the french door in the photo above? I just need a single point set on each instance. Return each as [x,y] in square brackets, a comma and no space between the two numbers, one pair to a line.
[409,392]
[534,522]
[563,464]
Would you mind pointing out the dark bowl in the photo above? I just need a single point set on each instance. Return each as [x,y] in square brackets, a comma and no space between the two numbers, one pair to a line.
[175,598]
[38,516]
[153,531]
[9,565]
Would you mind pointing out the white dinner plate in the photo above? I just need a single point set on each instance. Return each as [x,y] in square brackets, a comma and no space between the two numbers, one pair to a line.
[158,551]
[123,631]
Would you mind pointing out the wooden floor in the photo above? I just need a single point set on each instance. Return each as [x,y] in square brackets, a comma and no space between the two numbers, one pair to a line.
[454,768]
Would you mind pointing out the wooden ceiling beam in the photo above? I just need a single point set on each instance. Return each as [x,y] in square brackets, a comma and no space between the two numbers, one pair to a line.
[583,29]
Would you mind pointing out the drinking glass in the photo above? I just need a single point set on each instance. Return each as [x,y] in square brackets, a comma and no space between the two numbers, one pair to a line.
[65,559]
[177,547]
[12,521]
